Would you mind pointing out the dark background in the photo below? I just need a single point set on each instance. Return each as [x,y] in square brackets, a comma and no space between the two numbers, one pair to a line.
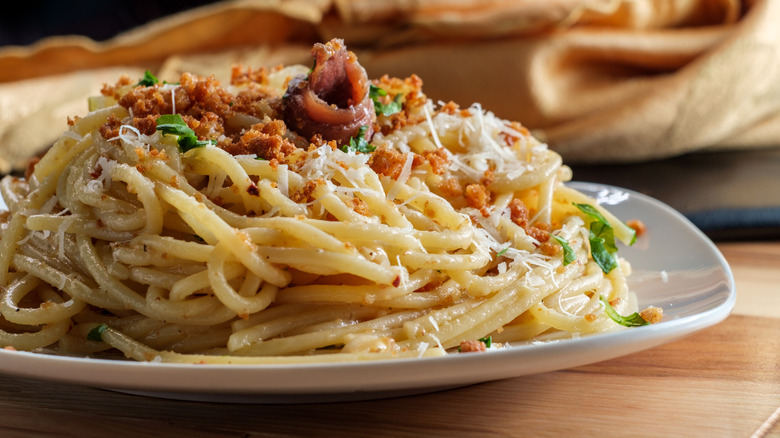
[27,21]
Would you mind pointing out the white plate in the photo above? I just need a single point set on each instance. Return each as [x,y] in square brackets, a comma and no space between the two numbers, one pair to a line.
[676,267]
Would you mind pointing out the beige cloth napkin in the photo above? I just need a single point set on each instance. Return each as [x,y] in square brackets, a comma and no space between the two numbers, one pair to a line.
[598,80]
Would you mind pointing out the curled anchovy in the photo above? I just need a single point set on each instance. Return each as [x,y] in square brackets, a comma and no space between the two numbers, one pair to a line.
[333,99]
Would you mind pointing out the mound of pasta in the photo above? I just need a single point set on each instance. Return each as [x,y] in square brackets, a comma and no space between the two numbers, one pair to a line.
[300,214]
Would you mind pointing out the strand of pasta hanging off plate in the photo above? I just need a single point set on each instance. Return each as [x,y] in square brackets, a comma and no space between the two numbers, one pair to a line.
[298,215]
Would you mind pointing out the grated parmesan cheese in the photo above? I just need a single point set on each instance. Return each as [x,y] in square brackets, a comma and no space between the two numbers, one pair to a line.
[215,184]
[324,163]
[49,205]
[138,140]
[434,134]
[106,166]
[421,347]
[433,323]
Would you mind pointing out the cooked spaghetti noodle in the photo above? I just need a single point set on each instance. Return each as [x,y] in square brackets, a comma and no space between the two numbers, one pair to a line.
[236,238]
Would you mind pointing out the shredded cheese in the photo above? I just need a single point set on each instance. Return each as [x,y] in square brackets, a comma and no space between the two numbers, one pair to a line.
[421,348]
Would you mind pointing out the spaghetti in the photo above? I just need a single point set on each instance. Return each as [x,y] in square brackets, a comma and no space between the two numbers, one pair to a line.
[190,222]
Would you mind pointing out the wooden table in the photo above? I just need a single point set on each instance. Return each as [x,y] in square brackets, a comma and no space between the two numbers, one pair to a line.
[720,382]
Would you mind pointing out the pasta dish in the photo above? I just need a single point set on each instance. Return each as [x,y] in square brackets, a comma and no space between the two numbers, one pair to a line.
[301,214]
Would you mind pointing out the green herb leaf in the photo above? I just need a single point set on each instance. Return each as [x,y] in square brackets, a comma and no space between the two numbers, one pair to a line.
[96,334]
[604,231]
[568,253]
[148,80]
[602,239]
[633,320]
[625,233]
[359,143]
[592,212]
[600,254]
[375,92]
[502,252]
[488,341]
[383,109]
[173,124]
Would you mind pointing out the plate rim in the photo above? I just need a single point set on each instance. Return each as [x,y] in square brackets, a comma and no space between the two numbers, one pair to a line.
[173,380]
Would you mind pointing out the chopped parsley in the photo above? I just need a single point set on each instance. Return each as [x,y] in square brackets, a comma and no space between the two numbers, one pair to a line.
[602,239]
[173,124]
[96,334]
[359,143]
[633,320]
[568,253]
[148,80]
[381,108]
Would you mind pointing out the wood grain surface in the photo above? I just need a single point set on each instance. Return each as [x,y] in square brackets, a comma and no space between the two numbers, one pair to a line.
[721,382]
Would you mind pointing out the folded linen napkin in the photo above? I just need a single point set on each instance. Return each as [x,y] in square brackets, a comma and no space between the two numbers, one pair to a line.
[599,80]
